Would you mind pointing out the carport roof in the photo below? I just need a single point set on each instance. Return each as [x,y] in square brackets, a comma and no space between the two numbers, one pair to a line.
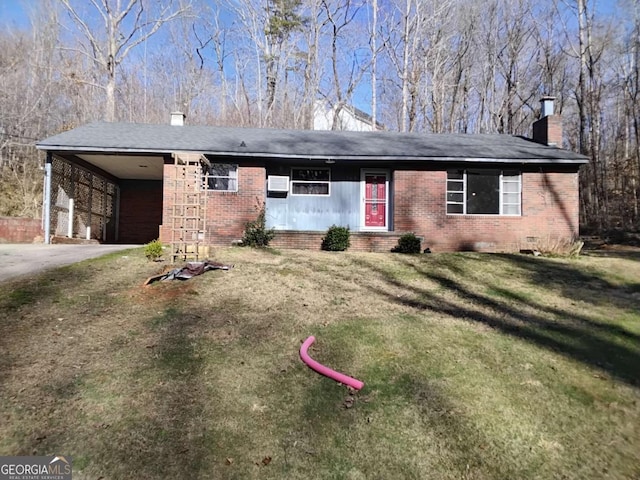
[130,138]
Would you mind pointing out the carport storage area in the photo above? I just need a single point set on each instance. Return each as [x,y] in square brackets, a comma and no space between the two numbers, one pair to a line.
[108,198]
[140,212]
[82,204]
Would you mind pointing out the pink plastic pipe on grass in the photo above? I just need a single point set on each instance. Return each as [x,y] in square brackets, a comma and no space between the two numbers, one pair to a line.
[326,371]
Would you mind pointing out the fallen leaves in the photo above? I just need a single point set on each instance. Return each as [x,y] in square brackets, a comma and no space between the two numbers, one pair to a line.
[265,461]
[350,399]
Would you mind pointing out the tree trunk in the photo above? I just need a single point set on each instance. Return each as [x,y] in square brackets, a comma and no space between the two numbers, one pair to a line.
[405,68]
[374,62]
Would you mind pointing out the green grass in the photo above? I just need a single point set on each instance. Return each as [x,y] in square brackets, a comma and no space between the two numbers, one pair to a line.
[475,367]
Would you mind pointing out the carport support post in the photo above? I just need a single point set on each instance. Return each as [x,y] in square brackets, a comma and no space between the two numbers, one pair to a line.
[72,195]
[70,224]
[47,199]
[90,206]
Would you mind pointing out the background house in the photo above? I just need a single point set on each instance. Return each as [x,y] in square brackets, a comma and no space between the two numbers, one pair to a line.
[342,117]
[197,185]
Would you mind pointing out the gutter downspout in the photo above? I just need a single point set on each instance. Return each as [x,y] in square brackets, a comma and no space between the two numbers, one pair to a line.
[47,198]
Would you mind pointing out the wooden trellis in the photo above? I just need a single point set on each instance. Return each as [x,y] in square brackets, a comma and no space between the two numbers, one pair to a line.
[188,209]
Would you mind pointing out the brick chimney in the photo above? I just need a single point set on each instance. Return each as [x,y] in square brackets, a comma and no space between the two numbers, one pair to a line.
[548,130]
[177,118]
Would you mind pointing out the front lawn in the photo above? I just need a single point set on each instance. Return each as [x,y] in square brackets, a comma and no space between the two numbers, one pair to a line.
[475,366]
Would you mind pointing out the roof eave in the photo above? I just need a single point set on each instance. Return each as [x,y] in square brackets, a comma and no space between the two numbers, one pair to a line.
[377,158]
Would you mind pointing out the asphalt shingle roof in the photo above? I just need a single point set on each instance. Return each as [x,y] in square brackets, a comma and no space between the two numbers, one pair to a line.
[264,142]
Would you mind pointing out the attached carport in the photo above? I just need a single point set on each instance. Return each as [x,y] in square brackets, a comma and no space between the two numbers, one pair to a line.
[111,197]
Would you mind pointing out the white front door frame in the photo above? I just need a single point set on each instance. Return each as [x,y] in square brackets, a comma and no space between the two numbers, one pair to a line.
[363,174]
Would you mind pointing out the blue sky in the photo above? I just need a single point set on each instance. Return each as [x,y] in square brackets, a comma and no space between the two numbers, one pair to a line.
[13,14]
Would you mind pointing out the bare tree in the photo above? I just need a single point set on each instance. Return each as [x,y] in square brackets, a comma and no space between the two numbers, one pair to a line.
[29,109]
[588,94]
[339,15]
[310,57]
[218,39]
[374,63]
[123,27]
[434,65]
[282,19]
[265,44]
[402,45]
[516,59]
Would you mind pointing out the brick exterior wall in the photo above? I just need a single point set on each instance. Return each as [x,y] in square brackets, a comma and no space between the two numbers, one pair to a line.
[549,212]
[360,241]
[226,212]
[20,230]
[140,211]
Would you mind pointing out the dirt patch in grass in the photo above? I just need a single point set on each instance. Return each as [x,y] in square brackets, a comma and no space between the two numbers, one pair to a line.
[475,366]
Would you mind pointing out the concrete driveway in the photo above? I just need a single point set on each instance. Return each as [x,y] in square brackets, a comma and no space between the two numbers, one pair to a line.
[23,259]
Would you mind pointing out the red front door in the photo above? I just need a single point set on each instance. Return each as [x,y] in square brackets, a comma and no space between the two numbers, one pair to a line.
[375,200]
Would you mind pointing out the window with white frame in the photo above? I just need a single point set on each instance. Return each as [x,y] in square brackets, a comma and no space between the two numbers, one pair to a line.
[221,177]
[310,181]
[484,192]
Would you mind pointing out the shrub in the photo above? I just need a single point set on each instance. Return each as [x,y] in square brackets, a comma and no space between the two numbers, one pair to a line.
[256,233]
[153,250]
[336,239]
[408,243]
[558,247]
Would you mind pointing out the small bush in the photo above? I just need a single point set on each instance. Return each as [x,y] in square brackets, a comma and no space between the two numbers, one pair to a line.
[408,243]
[256,233]
[555,247]
[153,250]
[336,239]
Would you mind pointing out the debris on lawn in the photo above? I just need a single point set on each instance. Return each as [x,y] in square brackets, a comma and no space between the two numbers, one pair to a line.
[534,252]
[189,270]
[349,400]
[326,371]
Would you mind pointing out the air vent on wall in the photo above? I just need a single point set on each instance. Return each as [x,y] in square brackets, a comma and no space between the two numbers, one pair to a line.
[277,183]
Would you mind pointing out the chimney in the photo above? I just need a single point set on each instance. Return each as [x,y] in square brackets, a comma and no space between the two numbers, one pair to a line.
[177,118]
[548,130]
